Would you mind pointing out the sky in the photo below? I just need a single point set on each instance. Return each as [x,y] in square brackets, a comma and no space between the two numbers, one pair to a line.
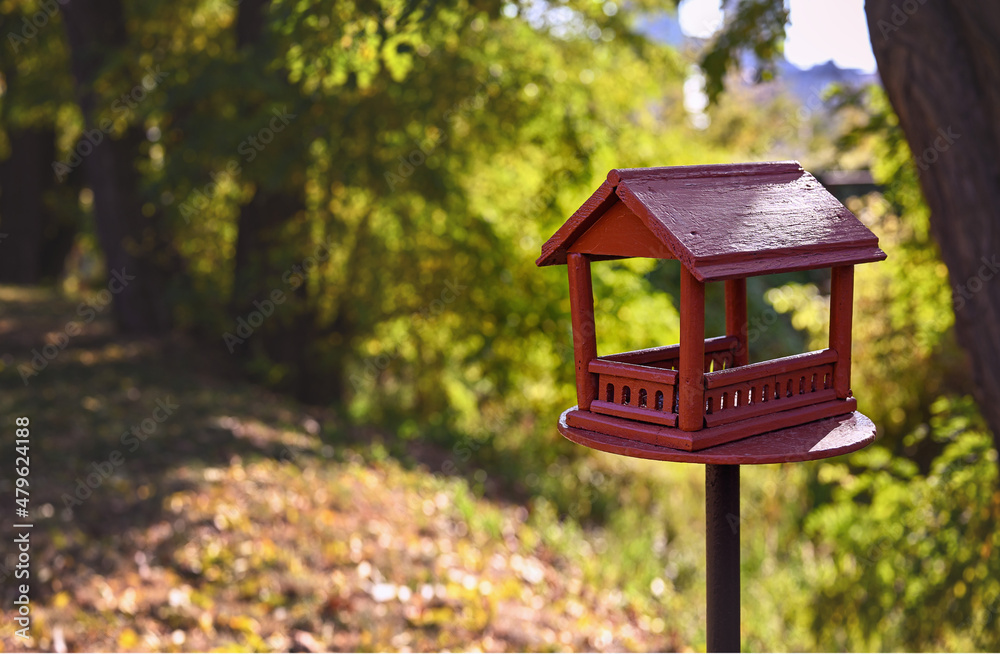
[819,30]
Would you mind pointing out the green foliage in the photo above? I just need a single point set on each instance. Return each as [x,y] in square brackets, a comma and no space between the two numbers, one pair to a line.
[430,149]
[898,547]
[36,90]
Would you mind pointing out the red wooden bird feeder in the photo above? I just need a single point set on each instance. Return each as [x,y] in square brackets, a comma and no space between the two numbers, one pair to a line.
[722,222]
[701,401]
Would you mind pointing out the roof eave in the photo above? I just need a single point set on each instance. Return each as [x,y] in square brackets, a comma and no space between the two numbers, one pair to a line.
[722,270]
[555,249]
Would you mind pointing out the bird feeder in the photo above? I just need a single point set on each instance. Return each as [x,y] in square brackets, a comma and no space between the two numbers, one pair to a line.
[701,400]
[723,223]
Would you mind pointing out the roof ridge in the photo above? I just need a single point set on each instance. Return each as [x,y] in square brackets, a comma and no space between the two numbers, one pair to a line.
[618,175]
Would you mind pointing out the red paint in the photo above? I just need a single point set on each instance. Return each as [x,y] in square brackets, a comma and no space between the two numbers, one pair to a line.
[815,440]
[726,221]
[722,222]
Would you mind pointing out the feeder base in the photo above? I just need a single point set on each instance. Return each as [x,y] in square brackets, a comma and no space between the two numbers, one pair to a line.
[820,439]
[707,436]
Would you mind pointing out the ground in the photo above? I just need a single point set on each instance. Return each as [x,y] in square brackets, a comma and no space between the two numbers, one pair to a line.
[234,519]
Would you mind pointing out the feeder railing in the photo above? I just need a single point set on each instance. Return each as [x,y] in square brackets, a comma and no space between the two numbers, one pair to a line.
[629,390]
[642,385]
[718,354]
[769,387]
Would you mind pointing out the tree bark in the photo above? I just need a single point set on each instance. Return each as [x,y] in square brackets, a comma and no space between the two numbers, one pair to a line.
[940,64]
[24,178]
[287,341]
[133,246]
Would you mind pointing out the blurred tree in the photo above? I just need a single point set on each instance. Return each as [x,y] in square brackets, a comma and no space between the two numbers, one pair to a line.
[38,219]
[350,196]
[336,155]
[940,65]
[135,247]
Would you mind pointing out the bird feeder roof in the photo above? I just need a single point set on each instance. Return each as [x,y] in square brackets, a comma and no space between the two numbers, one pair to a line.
[720,221]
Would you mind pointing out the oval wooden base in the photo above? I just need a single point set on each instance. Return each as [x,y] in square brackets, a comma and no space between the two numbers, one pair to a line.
[815,440]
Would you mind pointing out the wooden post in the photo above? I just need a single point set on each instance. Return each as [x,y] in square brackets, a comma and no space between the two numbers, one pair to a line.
[691,382]
[722,557]
[841,315]
[581,302]
[736,318]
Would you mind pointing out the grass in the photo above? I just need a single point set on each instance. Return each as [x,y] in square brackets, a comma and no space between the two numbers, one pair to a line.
[245,521]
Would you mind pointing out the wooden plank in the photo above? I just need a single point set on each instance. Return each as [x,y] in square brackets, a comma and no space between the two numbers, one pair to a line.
[554,250]
[841,315]
[621,233]
[630,429]
[819,439]
[691,398]
[663,352]
[736,430]
[710,436]
[778,262]
[667,418]
[617,175]
[736,319]
[759,408]
[581,300]
[721,343]
[774,367]
[648,355]
[633,371]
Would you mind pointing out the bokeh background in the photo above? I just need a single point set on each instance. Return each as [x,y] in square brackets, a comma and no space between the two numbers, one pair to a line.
[268,297]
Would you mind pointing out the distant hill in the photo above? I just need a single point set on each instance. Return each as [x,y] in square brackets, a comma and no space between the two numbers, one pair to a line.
[805,84]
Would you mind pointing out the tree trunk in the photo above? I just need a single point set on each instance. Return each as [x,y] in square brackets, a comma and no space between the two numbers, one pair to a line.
[940,64]
[286,340]
[134,248]
[24,178]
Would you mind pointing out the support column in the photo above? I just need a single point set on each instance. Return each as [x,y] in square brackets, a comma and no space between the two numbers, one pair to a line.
[722,557]
[841,315]
[691,380]
[581,302]
[736,318]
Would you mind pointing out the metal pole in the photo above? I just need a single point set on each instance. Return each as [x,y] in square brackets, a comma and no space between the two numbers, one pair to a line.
[722,553]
